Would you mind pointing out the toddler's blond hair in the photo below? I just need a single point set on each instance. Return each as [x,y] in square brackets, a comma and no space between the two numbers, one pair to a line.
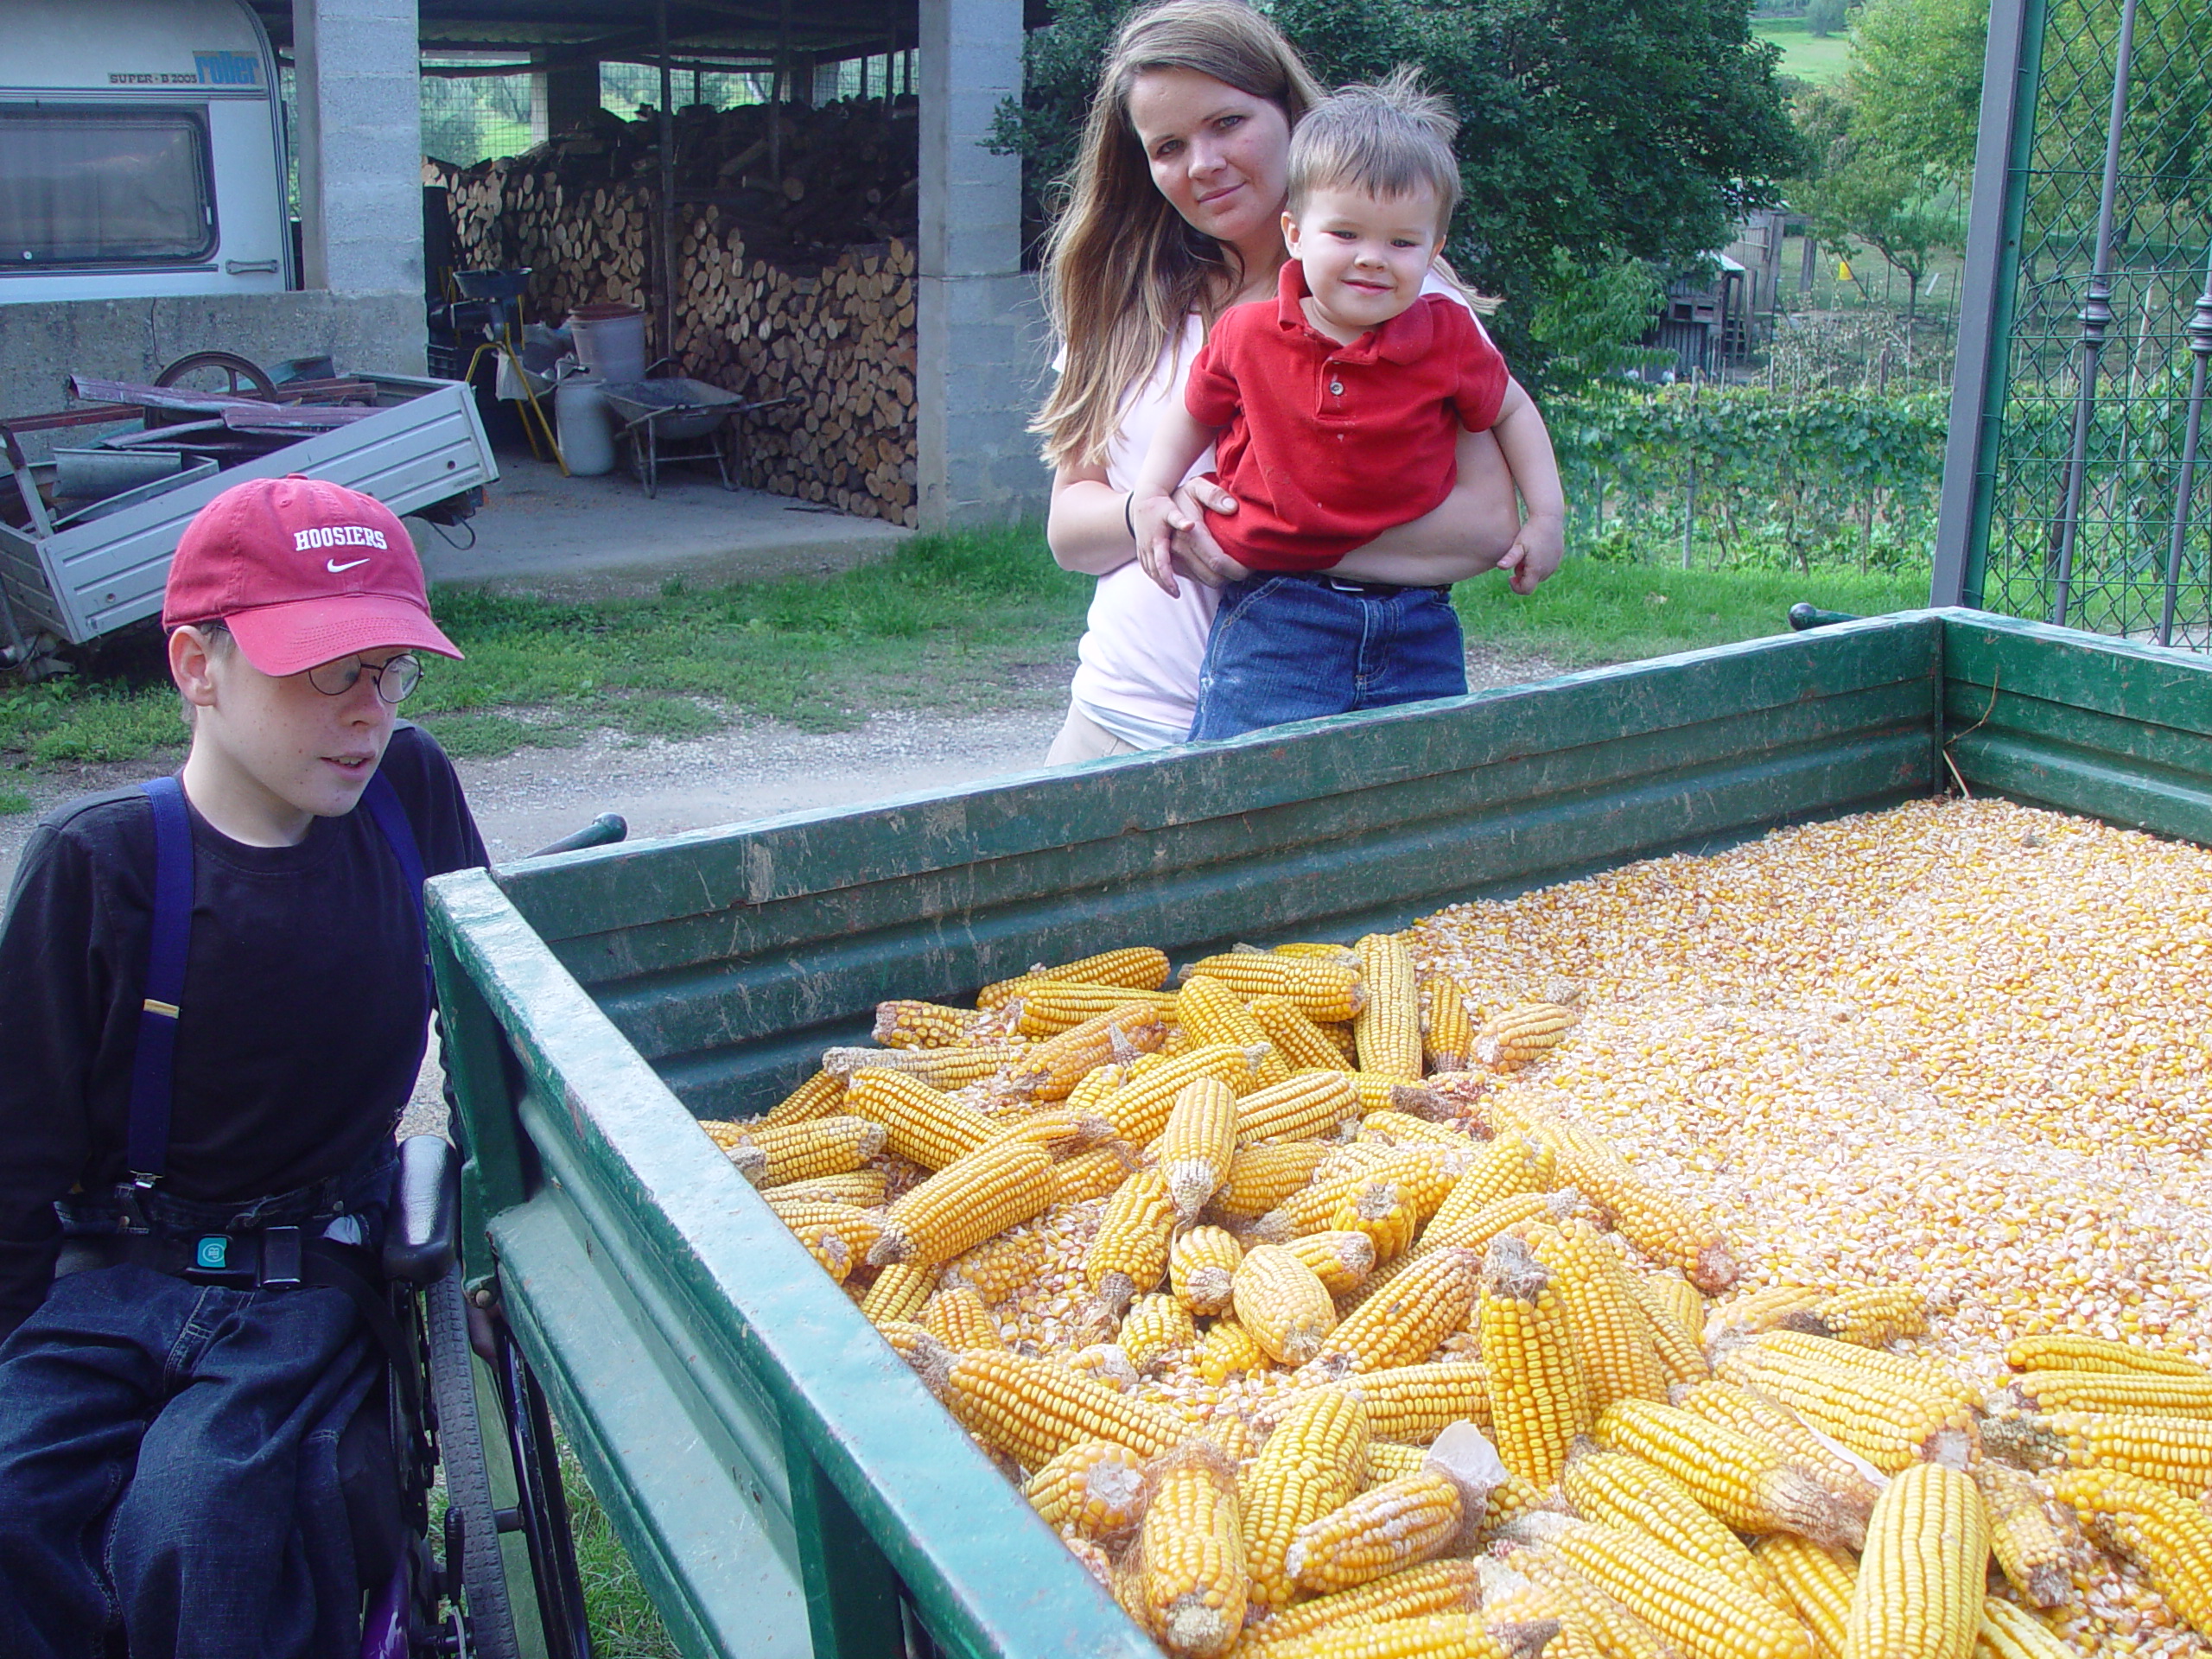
[1389,140]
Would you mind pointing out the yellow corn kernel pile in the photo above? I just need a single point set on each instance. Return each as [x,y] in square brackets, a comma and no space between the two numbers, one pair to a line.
[1924,1083]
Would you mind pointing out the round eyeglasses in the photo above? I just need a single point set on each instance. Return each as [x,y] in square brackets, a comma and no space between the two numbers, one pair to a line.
[394,676]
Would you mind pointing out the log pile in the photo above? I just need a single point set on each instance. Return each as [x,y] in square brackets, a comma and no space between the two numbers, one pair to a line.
[772,300]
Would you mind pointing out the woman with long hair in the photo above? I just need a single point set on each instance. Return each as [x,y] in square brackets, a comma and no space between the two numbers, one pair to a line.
[1172,214]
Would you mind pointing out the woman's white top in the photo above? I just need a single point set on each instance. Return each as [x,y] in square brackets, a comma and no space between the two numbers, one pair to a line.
[1137,673]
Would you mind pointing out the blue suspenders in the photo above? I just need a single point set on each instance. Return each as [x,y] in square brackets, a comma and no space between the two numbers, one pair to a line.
[147,1147]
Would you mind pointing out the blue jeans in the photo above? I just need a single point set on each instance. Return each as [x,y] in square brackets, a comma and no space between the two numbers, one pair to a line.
[169,1460]
[1286,648]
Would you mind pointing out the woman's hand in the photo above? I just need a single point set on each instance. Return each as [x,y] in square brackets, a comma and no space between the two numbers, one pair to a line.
[1198,554]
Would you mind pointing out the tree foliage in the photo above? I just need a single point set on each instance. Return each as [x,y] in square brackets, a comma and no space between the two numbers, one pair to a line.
[1915,81]
[1599,131]
[1858,188]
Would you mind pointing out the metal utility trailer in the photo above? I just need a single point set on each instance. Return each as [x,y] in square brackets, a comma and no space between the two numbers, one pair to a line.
[423,444]
[781,1480]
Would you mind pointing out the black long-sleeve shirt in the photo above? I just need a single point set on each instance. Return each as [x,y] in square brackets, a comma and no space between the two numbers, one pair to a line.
[303,1011]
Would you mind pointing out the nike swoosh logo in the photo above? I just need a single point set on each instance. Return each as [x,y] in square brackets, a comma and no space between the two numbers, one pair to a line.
[338,569]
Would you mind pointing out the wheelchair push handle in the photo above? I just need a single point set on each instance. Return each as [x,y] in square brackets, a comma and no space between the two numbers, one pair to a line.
[602,831]
[423,1231]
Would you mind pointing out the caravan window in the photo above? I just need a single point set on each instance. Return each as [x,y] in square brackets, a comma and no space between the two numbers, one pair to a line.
[104,187]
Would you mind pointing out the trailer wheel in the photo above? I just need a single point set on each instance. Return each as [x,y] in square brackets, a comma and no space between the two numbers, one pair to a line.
[224,371]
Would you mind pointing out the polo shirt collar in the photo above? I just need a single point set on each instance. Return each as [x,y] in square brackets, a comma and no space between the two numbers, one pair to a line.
[1407,338]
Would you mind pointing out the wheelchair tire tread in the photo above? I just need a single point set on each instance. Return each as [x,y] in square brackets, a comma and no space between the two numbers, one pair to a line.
[490,1618]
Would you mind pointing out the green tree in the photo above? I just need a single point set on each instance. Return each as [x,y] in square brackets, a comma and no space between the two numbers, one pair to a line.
[1588,321]
[1857,189]
[1604,130]
[1915,81]
[1824,18]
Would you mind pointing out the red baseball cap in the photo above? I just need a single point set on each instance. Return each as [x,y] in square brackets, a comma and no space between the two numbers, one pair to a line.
[302,571]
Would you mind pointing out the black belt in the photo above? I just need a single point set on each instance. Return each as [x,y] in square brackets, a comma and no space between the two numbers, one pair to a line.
[1365,589]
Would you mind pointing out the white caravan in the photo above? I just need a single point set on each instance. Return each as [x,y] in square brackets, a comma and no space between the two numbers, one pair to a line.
[142,151]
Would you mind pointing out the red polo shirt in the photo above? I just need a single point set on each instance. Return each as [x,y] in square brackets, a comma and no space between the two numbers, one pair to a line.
[1326,446]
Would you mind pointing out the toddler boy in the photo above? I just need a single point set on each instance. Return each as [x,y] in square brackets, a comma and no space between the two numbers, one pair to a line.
[1335,410]
[195,1109]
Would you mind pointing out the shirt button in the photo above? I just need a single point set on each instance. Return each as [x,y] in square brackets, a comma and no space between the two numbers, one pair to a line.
[1337,388]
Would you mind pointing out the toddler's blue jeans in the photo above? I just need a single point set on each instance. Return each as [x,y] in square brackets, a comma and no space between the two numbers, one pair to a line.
[1286,648]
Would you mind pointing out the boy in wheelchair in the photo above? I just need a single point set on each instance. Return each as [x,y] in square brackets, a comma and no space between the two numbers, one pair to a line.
[214,999]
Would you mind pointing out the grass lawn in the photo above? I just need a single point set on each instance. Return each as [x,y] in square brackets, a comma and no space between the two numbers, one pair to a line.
[974,622]
[1819,59]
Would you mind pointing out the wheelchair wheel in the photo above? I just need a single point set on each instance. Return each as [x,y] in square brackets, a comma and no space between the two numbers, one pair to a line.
[476,1569]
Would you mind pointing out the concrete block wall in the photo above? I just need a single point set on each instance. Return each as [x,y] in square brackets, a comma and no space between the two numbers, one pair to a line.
[361,144]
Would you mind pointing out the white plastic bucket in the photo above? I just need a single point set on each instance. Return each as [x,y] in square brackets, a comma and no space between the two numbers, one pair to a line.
[610,341]
[587,426]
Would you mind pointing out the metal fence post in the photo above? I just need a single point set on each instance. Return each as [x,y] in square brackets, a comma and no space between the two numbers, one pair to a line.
[2200,344]
[2011,71]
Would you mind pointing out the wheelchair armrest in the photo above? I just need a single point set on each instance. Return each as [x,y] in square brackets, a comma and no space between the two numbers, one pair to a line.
[422,1230]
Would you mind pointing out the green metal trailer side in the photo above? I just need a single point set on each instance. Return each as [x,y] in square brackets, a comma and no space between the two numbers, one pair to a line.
[781,1480]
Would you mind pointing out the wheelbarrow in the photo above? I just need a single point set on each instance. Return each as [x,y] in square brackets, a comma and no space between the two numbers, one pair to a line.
[678,419]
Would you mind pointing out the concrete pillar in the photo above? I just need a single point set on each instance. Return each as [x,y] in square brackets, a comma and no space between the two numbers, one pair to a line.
[571,94]
[356,67]
[977,350]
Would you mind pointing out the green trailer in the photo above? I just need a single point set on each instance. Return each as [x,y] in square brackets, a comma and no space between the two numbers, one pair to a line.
[782,1481]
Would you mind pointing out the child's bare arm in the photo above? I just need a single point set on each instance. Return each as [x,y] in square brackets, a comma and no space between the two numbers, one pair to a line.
[1179,440]
[1526,443]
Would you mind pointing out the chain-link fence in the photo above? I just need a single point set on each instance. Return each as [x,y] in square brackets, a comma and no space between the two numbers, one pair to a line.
[2076,494]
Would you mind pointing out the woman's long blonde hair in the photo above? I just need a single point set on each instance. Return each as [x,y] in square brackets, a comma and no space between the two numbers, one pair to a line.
[1122,268]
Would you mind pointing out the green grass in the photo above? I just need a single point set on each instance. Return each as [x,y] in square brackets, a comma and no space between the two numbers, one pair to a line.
[14,802]
[1603,611]
[623,1623]
[1819,59]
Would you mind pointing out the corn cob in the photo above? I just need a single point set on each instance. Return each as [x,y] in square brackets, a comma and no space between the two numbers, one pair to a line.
[1384,1210]
[1775,1426]
[1385,1530]
[1051,1070]
[861,1188]
[909,1341]
[1105,1362]
[2171,1537]
[1421,1174]
[921,1124]
[1048,1007]
[1377,1092]
[1139,1108]
[1403,1324]
[2175,1451]
[1914,1370]
[1764,1309]
[1032,1410]
[1092,1088]
[1090,1175]
[1819,1582]
[1616,1632]
[965,1203]
[1872,1316]
[1300,1107]
[1155,1329]
[1891,1423]
[1416,1404]
[940,1068]
[1201,1267]
[1707,1615]
[1138,967]
[1626,1492]
[899,1293]
[1448,1032]
[1920,1585]
[1520,1035]
[1260,1177]
[1211,1013]
[1447,1586]
[1514,1499]
[1434,1635]
[1515,1599]
[1751,1485]
[1612,1336]
[1313,1462]
[2137,1393]
[837,1236]
[2059,1351]
[1342,1259]
[1302,1042]
[1679,1297]
[907,1024]
[2027,1546]
[818,1096]
[1094,1489]
[2010,1632]
[1389,1460]
[1283,1304]
[1318,988]
[1388,1029]
[1643,1216]
[1680,1356]
[1227,1352]
[997,1267]
[1403,1128]
[1189,1554]
[1540,1400]
[835,1145]
[1129,1253]
[955,1316]
[1510,1165]
[1196,1146]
